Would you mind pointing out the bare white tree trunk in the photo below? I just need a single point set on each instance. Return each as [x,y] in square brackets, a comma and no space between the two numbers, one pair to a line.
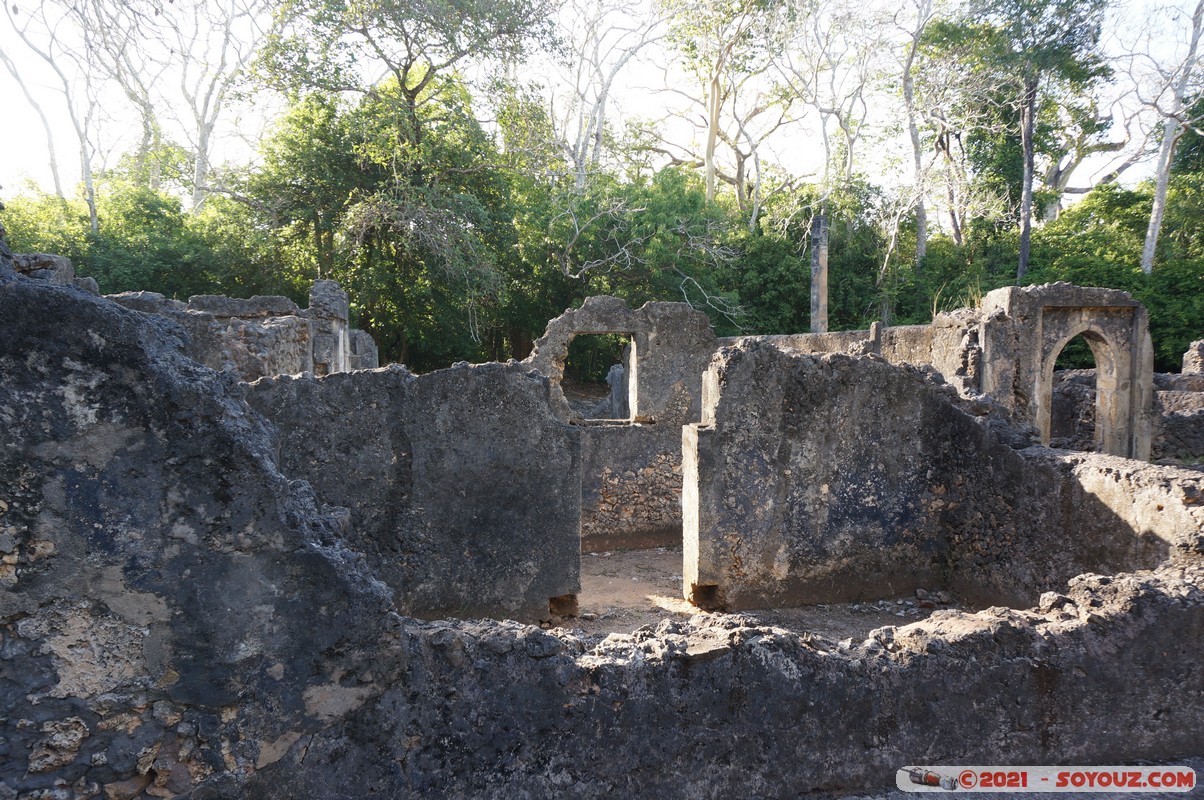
[37,107]
[1172,131]
[919,173]
[714,106]
[79,92]
[603,37]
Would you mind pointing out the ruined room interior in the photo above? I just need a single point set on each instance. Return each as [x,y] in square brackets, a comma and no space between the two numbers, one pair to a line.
[242,560]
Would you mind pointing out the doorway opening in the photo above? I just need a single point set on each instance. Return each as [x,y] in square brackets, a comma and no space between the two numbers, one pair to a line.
[598,374]
[1072,407]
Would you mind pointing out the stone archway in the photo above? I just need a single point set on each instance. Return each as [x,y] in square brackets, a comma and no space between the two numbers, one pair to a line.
[1024,331]
[1111,405]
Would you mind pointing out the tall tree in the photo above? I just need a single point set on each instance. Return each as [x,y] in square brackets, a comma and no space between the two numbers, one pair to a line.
[912,20]
[56,33]
[600,39]
[724,44]
[1038,43]
[1174,104]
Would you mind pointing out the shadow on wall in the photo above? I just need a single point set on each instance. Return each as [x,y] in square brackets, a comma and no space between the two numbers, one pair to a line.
[838,478]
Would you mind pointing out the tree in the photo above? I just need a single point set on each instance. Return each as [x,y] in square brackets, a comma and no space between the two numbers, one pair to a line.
[1179,82]
[957,96]
[176,64]
[37,107]
[600,39]
[724,45]
[57,34]
[914,31]
[1035,43]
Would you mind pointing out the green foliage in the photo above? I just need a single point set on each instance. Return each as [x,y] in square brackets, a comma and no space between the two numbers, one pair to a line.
[144,240]
[457,241]
[1098,243]
[1189,152]
[590,357]
[39,222]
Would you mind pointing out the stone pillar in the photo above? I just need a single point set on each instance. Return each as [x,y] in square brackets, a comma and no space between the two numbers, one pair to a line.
[819,274]
[329,312]
[364,353]
[1193,359]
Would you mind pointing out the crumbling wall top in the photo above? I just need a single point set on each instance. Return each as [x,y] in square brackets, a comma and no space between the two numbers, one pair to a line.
[1014,300]
[671,343]
[1193,359]
[327,300]
[244,308]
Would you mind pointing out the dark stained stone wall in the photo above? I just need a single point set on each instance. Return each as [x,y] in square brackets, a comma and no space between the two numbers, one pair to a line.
[463,487]
[172,607]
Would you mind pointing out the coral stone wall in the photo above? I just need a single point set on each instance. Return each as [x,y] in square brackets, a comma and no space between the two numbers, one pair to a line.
[631,471]
[185,619]
[462,485]
[817,479]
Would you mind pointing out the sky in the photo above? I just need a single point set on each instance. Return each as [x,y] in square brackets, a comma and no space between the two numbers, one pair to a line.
[23,141]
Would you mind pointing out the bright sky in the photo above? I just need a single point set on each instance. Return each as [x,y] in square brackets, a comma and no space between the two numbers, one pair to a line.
[24,143]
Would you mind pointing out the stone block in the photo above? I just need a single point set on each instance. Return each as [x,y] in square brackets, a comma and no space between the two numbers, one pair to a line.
[245,308]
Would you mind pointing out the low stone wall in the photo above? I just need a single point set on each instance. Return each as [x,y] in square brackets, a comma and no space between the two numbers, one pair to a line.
[1104,673]
[463,486]
[949,345]
[260,337]
[834,478]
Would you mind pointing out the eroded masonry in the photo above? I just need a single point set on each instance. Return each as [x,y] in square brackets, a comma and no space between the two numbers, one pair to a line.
[235,562]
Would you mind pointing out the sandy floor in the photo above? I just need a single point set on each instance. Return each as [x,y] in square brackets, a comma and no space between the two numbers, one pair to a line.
[622,591]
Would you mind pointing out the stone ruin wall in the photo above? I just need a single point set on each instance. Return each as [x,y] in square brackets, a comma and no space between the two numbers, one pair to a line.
[265,336]
[837,478]
[461,485]
[183,615]
[1178,421]
[631,469]
[254,337]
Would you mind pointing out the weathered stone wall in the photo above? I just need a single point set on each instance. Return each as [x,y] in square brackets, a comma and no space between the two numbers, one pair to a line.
[1179,429]
[1007,347]
[630,489]
[1193,358]
[462,485]
[819,479]
[263,336]
[184,620]
[721,707]
[172,608]
[55,270]
[949,345]
[631,484]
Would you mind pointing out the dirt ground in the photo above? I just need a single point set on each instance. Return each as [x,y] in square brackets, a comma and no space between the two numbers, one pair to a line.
[625,590]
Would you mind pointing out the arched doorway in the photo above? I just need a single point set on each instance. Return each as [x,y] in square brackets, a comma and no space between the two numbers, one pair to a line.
[1064,421]
[1072,404]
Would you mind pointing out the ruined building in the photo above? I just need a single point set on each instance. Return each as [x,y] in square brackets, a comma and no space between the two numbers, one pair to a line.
[224,573]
